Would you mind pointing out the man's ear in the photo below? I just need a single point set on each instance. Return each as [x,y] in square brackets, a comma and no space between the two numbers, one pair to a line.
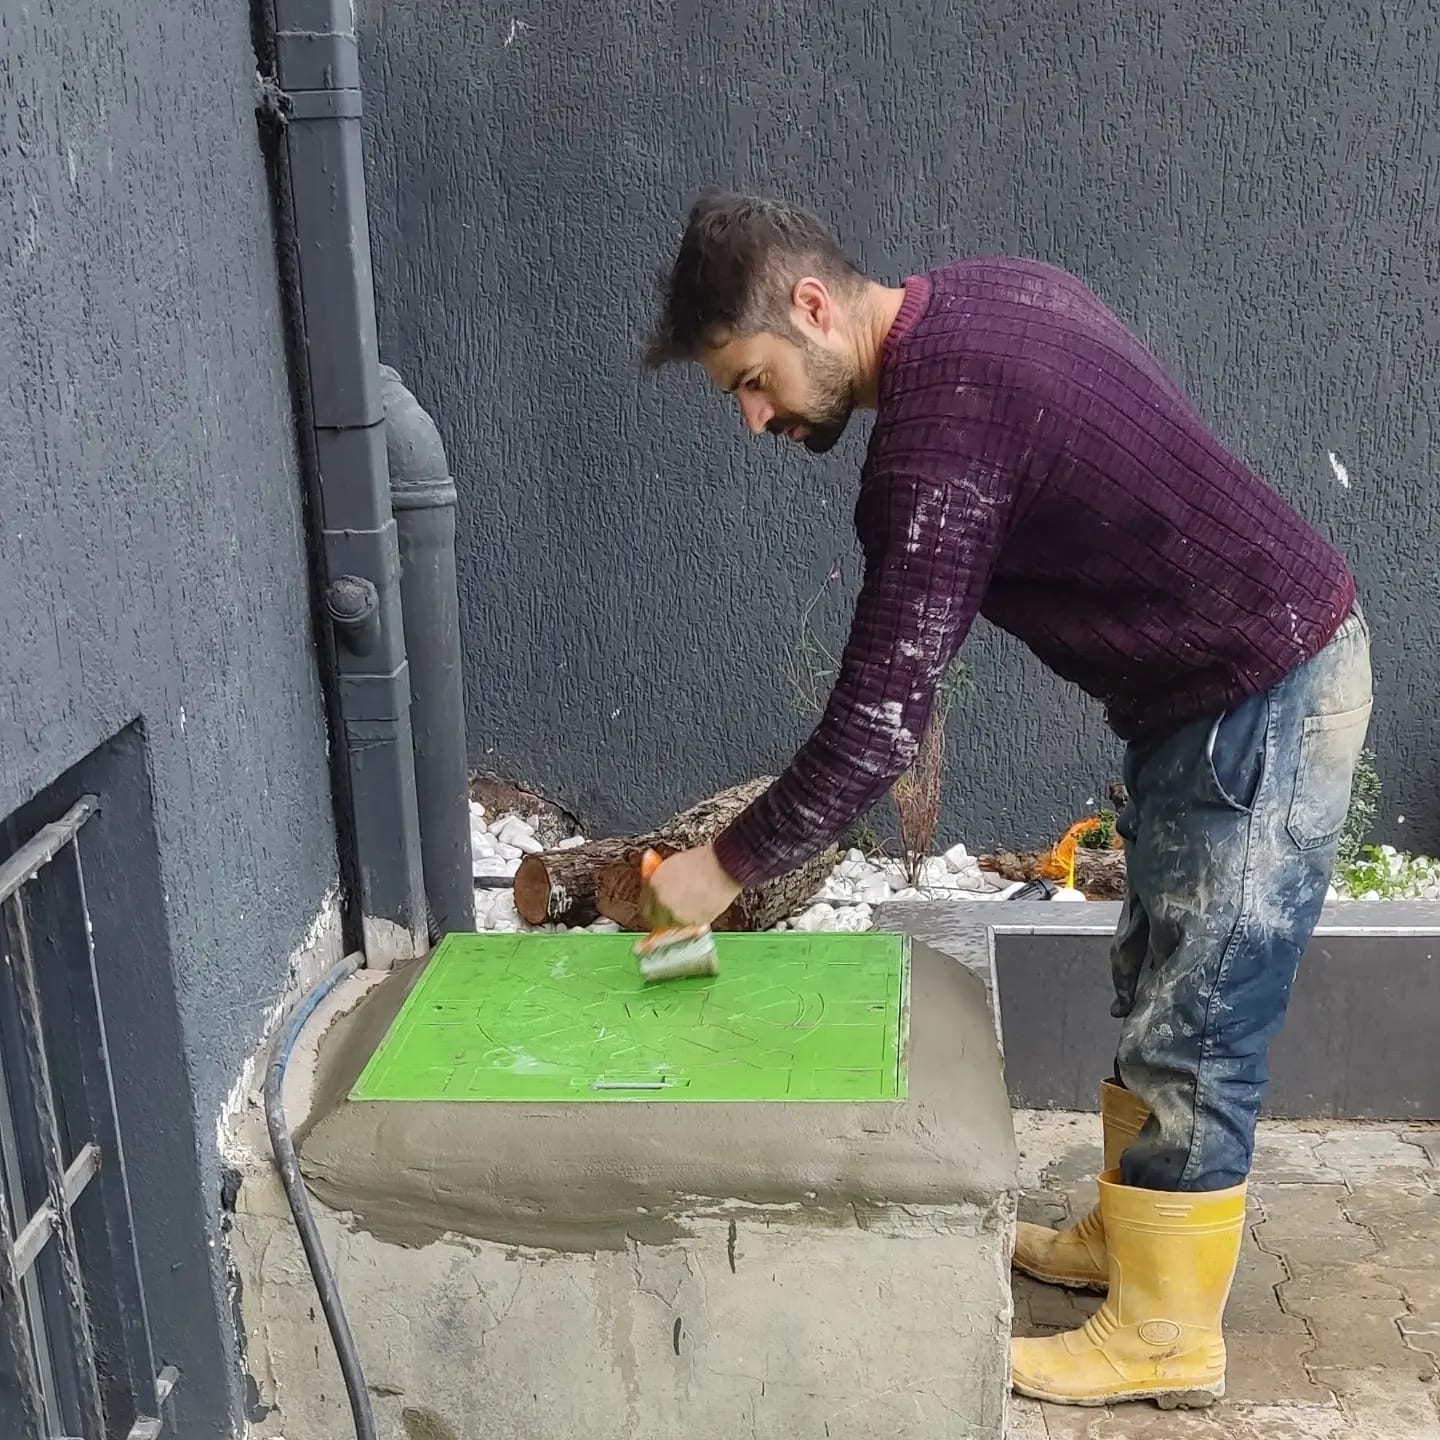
[812,307]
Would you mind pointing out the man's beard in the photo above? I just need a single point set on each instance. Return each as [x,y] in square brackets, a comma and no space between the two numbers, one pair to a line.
[832,401]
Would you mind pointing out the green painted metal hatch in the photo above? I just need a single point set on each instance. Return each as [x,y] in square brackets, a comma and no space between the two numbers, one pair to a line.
[539,1017]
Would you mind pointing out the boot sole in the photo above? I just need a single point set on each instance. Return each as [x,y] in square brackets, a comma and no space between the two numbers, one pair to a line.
[1177,1399]
[1065,1282]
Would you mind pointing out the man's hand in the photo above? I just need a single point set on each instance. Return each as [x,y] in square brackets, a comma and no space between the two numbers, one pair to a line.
[691,888]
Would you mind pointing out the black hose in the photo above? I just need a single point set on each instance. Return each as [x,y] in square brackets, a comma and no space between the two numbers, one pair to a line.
[283,1145]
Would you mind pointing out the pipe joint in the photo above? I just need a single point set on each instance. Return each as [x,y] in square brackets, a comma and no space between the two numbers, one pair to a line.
[353,604]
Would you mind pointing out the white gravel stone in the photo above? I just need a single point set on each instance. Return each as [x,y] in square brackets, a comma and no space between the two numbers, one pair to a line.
[852,918]
[515,831]
[937,874]
[503,915]
[603,927]
[1065,893]
[958,858]
[818,917]
[573,842]
[978,882]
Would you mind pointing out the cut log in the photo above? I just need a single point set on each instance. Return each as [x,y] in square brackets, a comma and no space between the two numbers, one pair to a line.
[618,895]
[558,887]
[1099,874]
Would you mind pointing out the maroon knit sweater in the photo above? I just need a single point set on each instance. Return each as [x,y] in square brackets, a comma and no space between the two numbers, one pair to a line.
[1032,462]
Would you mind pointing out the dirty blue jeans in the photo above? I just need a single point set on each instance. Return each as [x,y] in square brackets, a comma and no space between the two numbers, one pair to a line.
[1231,832]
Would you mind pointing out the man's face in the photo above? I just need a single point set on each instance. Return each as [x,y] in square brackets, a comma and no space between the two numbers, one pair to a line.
[798,387]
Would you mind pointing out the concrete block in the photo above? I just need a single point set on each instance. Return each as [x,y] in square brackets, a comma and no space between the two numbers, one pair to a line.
[1333,1291]
[1270,1369]
[1288,1157]
[1295,1211]
[641,1271]
[1396,1405]
[1427,1137]
[1360,1152]
[1368,971]
[1027,1420]
[1254,1307]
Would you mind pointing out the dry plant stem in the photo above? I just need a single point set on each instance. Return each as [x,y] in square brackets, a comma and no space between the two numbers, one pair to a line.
[916,796]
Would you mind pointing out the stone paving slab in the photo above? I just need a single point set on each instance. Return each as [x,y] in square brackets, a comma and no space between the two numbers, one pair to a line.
[1333,1326]
[1287,1156]
[1254,1308]
[1267,1369]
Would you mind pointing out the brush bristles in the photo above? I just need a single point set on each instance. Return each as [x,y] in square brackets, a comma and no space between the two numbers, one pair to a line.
[668,968]
[674,960]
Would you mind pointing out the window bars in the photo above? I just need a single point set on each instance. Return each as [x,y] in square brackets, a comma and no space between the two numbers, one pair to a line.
[72,1306]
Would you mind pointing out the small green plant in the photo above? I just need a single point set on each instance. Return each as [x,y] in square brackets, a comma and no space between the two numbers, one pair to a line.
[1360,818]
[865,838]
[1101,835]
[1381,872]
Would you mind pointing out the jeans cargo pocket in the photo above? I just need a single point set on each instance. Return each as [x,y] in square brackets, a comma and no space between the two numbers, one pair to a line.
[1329,749]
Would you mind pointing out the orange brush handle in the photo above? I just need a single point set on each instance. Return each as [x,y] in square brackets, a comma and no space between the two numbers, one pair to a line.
[654,917]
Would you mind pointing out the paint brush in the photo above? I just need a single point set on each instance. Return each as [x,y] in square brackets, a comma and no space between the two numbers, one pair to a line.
[671,951]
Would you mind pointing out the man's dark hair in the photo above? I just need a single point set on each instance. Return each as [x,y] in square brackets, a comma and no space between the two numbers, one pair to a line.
[737,266]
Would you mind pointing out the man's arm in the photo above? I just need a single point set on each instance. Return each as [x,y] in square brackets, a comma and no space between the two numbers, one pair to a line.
[931,545]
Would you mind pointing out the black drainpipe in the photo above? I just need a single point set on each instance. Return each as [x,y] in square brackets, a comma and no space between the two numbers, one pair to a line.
[422,495]
[324,234]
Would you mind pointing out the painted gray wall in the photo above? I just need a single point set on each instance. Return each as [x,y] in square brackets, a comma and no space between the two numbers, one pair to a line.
[152,562]
[1256,188]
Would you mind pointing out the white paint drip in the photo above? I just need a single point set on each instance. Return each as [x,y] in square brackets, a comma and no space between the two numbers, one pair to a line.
[299,978]
[1341,473]
[887,717]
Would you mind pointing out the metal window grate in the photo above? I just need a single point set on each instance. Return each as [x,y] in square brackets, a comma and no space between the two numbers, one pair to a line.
[71,1301]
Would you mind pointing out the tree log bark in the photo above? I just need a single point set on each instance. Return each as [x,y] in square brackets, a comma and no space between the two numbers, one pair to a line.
[559,886]
[1100,874]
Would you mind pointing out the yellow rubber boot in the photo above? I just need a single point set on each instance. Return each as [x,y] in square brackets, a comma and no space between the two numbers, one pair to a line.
[1157,1336]
[1075,1256]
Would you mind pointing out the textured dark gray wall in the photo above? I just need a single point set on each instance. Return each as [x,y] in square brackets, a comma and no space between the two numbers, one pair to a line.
[152,563]
[1255,187]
